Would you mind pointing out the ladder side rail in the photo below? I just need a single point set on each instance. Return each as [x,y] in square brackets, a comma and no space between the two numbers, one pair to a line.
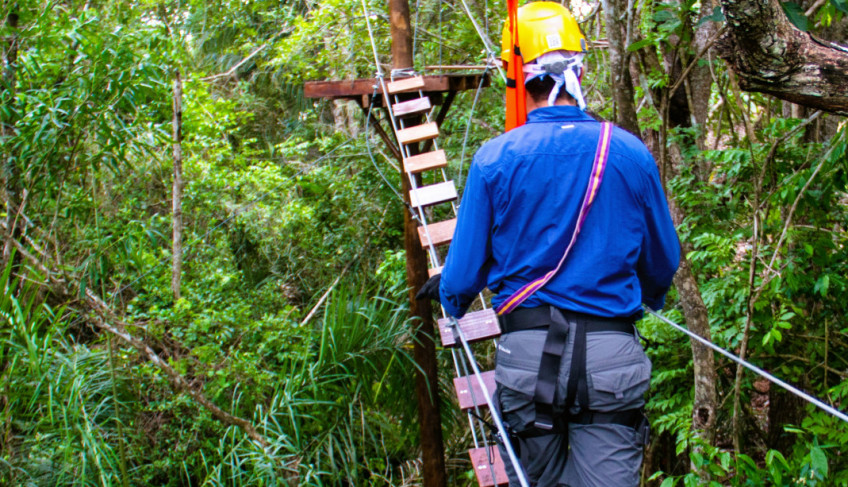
[434,257]
[460,362]
[456,361]
[479,415]
[495,416]
[466,373]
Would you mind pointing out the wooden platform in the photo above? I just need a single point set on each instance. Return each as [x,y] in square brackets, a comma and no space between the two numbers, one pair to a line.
[360,90]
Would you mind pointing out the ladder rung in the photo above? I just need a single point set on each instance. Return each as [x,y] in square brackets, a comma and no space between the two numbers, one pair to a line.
[406,84]
[476,326]
[483,470]
[418,133]
[433,272]
[433,194]
[468,386]
[411,107]
[424,162]
[441,233]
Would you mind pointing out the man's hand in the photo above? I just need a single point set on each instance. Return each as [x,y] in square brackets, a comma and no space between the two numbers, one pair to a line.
[430,289]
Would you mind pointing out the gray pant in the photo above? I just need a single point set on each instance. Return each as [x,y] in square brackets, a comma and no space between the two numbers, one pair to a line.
[618,375]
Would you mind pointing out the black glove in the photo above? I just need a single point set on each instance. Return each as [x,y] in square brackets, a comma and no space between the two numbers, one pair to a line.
[430,289]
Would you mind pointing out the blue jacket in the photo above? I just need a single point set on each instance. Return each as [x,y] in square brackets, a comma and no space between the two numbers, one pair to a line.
[520,206]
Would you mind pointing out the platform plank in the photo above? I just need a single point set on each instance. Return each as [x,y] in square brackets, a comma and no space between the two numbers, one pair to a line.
[362,89]
[478,325]
[433,194]
[441,233]
[483,468]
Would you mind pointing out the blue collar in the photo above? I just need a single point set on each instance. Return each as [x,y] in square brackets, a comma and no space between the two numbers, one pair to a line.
[559,113]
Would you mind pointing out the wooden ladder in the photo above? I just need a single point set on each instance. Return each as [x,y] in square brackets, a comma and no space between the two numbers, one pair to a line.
[477,325]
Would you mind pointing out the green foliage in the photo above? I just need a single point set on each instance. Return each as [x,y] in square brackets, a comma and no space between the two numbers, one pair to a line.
[281,200]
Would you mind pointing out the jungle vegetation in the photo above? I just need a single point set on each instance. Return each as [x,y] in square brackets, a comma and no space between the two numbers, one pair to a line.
[281,353]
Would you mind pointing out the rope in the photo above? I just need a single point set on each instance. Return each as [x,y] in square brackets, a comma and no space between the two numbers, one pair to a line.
[373,42]
[794,390]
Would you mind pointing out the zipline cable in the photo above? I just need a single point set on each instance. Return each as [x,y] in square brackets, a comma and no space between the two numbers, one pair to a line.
[752,367]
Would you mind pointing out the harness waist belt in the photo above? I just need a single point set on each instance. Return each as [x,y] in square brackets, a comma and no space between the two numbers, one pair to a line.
[629,417]
[540,317]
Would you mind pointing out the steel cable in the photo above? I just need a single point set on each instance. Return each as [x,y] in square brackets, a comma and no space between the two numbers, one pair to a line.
[794,390]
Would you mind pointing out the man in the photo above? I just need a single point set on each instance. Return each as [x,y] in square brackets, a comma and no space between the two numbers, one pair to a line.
[518,214]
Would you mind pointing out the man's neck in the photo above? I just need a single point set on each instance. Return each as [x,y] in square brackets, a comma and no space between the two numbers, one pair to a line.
[532,105]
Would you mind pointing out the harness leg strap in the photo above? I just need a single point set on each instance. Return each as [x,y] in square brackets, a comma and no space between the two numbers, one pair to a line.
[546,381]
[577,385]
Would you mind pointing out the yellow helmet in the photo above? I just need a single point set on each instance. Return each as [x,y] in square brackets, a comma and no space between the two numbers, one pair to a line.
[543,27]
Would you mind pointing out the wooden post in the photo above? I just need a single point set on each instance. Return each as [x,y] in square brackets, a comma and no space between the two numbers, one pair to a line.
[426,384]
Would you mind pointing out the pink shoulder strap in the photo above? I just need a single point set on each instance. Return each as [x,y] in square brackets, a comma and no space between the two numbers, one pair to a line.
[595,179]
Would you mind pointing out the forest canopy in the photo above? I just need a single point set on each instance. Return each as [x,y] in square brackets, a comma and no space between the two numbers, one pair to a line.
[204,279]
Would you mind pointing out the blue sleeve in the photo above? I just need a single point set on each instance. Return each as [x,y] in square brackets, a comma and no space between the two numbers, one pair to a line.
[660,254]
[466,267]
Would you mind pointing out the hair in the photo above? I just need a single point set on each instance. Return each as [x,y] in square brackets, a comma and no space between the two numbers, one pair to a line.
[539,88]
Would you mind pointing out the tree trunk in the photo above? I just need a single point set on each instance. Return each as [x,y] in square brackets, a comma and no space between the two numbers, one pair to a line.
[694,310]
[772,56]
[177,250]
[698,321]
[784,408]
[424,348]
[618,18]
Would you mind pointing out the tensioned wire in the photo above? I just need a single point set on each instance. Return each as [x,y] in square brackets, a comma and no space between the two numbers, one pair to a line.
[794,390]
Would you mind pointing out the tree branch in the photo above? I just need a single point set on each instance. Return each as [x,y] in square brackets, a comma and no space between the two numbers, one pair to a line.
[772,56]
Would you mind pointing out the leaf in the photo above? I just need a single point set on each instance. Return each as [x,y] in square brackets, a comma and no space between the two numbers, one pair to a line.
[668,482]
[640,44]
[818,460]
[716,16]
[841,5]
[822,285]
[796,15]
